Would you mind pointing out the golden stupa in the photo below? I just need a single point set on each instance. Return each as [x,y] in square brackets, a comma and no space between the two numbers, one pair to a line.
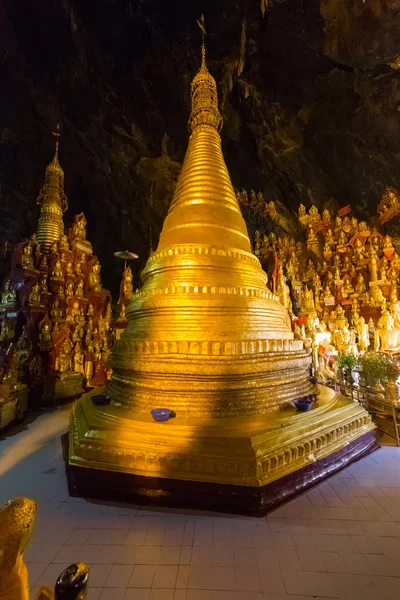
[208,340]
[53,203]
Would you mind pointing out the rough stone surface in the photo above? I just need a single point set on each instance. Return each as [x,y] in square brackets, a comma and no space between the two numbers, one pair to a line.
[310,105]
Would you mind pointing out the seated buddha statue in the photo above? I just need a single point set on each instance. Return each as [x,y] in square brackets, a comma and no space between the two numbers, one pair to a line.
[8,295]
[69,289]
[43,285]
[338,225]
[64,361]
[354,224]
[346,263]
[45,334]
[326,215]
[347,288]
[57,271]
[302,211]
[363,229]
[386,335]
[79,289]
[312,238]
[27,258]
[94,278]
[69,269]
[56,311]
[388,248]
[64,244]
[358,251]
[314,214]
[360,285]
[329,239]
[342,239]
[34,295]
[328,253]
[346,225]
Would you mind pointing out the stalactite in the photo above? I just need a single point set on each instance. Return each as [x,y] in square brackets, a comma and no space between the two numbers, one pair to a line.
[240,65]
[266,5]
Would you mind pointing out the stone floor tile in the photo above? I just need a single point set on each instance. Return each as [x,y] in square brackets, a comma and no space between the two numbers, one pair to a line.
[41,553]
[309,584]
[119,576]
[137,594]
[165,577]
[142,576]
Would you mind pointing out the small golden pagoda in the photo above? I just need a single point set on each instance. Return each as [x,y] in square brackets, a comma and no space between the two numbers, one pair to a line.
[53,203]
[208,340]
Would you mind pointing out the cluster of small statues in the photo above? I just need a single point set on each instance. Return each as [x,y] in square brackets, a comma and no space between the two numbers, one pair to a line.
[59,288]
[257,202]
[389,205]
[343,279]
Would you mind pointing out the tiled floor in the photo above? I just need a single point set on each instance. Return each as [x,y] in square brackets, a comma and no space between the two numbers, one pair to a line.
[340,540]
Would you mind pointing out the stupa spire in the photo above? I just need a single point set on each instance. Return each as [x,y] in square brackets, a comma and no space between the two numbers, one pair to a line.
[53,201]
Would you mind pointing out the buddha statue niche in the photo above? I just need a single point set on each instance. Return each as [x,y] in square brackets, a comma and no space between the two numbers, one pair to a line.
[69,289]
[56,311]
[57,272]
[45,334]
[94,278]
[34,295]
[64,361]
[8,295]
[27,258]
[360,285]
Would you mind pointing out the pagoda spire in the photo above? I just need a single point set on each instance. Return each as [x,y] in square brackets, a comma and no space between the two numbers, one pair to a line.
[204,208]
[52,201]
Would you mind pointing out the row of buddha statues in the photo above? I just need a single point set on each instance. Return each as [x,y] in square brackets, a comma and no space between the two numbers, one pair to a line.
[257,203]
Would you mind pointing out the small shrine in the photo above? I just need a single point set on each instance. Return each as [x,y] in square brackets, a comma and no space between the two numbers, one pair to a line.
[55,315]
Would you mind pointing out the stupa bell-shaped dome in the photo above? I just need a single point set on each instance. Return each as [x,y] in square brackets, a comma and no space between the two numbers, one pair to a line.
[205,336]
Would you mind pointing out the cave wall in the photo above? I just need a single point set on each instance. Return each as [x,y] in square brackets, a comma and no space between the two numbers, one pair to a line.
[309,100]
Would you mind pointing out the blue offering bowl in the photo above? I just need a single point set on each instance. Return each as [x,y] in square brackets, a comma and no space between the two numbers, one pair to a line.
[161,414]
[303,404]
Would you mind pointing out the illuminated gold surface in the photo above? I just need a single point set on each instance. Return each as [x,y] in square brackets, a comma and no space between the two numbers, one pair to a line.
[206,338]
[249,451]
[53,203]
[16,522]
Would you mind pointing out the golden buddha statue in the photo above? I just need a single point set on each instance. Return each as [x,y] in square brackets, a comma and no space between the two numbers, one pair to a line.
[342,337]
[69,289]
[73,312]
[338,225]
[340,317]
[329,239]
[347,263]
[78,229]
[206,338]
[360,285]
[283,291]
[307,301]
[312,237]
[363,229]
[69,269]
[358,251]
[257,241]
[63,362]
[56,310]
[342,239]
[94,278]
[386,338]
[122,312]
[314,214]
[43,285]
[346,224]
[79,289]
[64,243]
[388,248]
[27,258]
[45,334]
[53,203]
[35,295]
[326,215]
[90,310]
[347,288]
[17,518]
[383,275]
[354,224]
[127,286]
[57,272]
[79,359]
[363,334]
[8,295]
[302,211]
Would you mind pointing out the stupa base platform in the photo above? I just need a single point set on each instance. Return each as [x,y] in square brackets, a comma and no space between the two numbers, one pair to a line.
[245,465]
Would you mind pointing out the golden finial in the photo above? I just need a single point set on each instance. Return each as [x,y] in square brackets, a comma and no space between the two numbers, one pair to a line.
[55,165]
[204,93]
